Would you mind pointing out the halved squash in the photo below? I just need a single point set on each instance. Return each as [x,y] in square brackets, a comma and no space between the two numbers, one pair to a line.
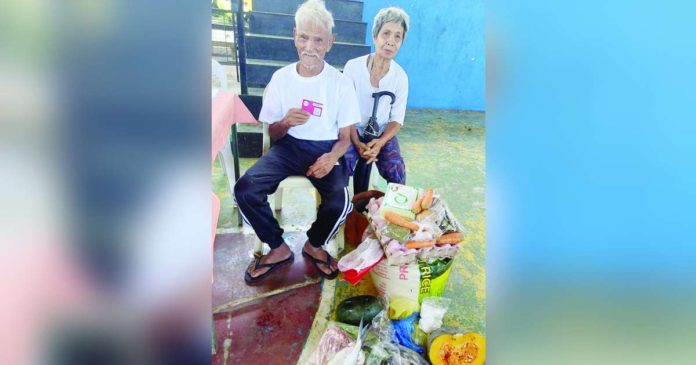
[457,349]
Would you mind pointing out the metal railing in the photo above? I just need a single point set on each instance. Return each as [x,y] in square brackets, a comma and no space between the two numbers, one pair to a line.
[234,20]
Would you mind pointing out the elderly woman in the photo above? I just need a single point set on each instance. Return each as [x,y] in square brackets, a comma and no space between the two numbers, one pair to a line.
[376,76]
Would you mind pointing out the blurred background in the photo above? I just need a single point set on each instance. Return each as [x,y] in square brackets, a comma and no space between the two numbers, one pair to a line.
[590,176]
[104,111]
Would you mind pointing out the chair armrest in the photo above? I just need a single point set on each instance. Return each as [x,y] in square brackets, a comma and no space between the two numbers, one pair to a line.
[266,144]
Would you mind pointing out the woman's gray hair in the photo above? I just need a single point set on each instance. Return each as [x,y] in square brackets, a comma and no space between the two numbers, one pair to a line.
[314,11]
[388,15]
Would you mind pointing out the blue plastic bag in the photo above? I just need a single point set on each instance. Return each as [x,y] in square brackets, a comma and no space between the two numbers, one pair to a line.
[403,332]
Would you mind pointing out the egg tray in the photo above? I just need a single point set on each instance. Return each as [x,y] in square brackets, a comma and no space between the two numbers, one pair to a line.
[425,254]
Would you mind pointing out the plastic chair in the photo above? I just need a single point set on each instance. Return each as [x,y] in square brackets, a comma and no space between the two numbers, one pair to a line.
[225,154]
[291,182]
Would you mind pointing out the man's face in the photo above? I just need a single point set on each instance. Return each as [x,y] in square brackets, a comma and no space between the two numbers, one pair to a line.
[312,42]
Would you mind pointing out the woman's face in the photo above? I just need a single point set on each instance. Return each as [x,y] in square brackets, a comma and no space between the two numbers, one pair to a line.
[389,39]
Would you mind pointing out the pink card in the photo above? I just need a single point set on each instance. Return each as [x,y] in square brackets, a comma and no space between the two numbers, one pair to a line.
[312,107]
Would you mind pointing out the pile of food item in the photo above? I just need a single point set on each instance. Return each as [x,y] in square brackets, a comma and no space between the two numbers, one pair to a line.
[372,331]
[407,249]
[413,224]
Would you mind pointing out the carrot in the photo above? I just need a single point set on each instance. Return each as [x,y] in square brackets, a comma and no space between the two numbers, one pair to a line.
[420,244]
[450,238]
[400,221]
[421,215]
[427,199]
[417,206]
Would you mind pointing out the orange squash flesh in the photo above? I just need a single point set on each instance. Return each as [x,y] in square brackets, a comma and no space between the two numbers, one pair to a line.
[458,349]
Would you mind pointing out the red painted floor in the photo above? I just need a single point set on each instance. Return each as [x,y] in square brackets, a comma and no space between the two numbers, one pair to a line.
[253,325]
[270,331]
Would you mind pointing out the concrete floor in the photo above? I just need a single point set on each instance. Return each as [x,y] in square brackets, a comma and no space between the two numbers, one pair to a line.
[442,149]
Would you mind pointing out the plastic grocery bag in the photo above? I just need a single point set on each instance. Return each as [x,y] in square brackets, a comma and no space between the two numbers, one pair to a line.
[360,261]
[432,311]
[333,341]
[382,349]
[365,255]
[405,331]
[389,353]
[352,354]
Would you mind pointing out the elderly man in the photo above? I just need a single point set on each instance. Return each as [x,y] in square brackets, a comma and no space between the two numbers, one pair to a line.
[310,107]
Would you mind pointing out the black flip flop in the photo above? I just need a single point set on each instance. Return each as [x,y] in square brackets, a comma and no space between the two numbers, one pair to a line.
[327,263]
[273,266]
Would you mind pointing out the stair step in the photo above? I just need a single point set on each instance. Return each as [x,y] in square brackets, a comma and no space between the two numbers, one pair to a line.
[280,24]
[225,27]
[225,59]
[283,49]
[341,9]
[258,62]
[259,74]
[258,91]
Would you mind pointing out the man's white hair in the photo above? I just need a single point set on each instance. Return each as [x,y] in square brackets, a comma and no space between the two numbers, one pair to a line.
[388,15]
[314,12]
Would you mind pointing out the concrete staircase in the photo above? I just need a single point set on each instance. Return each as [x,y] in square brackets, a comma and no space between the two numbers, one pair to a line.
[269,43]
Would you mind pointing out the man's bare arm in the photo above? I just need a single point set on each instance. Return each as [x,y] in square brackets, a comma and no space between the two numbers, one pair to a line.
[327,161]
[293,118]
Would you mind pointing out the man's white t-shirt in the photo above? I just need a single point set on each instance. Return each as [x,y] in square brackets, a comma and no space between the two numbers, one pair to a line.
[329,97]
[394,81]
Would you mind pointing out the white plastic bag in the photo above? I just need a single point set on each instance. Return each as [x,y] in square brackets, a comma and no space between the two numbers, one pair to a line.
[365,255]
[433,309]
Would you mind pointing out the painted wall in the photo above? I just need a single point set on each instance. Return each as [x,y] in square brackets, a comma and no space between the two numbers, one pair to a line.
[443,53]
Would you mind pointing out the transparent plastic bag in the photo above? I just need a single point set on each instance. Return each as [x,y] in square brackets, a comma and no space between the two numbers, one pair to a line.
[432,311]
[388,330]
[434,214]
[332,341]
[388,353]
[380,347]
[381,324]
[428,231]
[444,220]
[352,354]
